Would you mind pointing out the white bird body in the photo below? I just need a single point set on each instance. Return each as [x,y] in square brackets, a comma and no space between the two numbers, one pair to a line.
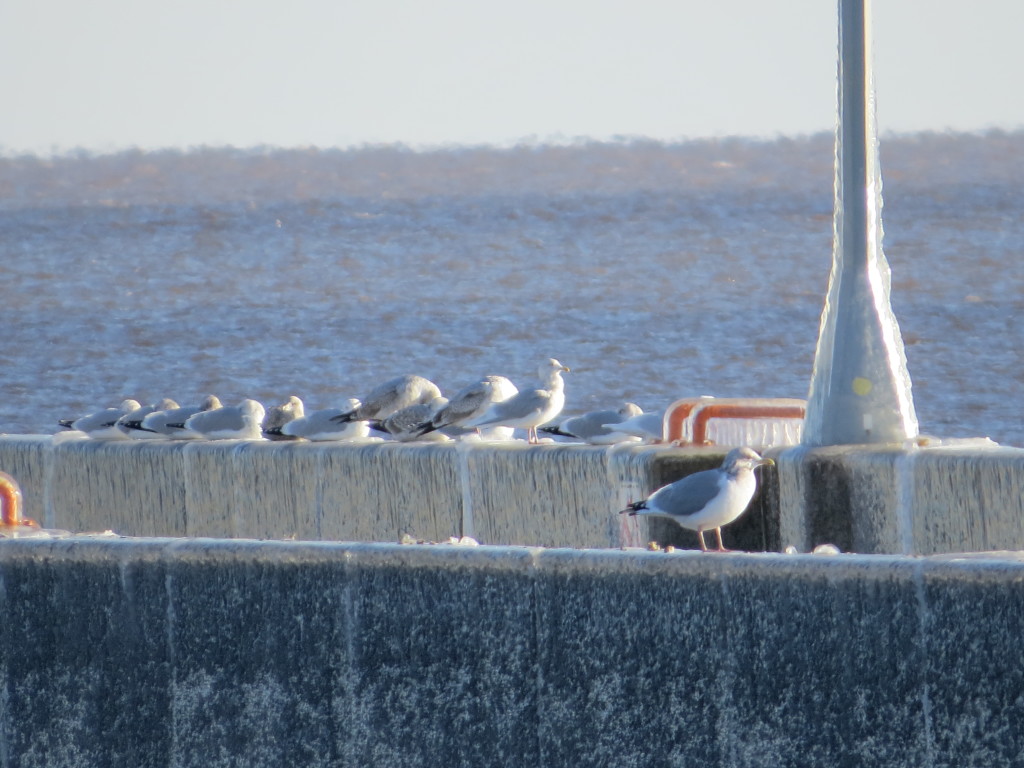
[171,423]
[320,426]
[529,408]
[230,422]
[707,500]
[598,427]
[647,426]
[102,425]
[131,423]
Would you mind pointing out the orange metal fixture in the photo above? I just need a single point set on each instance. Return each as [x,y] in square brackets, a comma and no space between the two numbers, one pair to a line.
[10,504]
[701,410]
[741,411]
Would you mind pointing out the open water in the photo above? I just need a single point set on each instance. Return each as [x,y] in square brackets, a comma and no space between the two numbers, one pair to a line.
[655,271]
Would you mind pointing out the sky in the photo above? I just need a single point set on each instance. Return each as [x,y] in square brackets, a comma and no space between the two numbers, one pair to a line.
[106,75]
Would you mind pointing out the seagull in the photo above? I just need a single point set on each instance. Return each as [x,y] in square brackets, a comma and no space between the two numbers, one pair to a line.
[404,425]
[279,415]
[319,426]
[471,402]
[102,425]
[230,422]
[392,396]
[131,423]
[171,423]
[647,426]
[597,427]
[531,407]
[709,499]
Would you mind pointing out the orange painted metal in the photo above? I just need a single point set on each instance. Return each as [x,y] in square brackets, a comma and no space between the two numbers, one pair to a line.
[676,416]
[10,504]
[713,410]
[699,411]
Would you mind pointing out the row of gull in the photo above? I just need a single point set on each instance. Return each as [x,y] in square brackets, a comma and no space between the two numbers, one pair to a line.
[412,408]
[405,408]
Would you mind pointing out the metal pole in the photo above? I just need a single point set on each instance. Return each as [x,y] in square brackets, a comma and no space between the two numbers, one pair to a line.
[860,388]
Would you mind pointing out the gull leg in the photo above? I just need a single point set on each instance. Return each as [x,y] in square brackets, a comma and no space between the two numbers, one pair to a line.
[700,535]
[531,435]
[718,535]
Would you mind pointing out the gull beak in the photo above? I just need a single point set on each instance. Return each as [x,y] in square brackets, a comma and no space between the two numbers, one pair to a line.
[766,462]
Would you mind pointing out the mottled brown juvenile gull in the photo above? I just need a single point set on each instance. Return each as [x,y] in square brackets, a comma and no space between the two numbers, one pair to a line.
[391,396]
[597,427]
[279,415]
[404,425]
[532,407]
[171,423]
[320,426]
[102,425]
[230,422]
[471,402]
[707,500]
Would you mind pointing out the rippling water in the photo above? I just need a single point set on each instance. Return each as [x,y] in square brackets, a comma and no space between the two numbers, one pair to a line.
[655,271]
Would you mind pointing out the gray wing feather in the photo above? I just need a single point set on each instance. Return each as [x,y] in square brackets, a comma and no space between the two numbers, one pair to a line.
[688,495]
[516,407]
[590,424]
[464,405]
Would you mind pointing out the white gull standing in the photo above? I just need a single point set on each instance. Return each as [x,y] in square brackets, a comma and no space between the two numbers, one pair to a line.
[531,407]
[391,396]
[707,500]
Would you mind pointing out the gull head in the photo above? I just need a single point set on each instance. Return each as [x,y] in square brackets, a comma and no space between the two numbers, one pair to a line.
[551,367]
[743,460]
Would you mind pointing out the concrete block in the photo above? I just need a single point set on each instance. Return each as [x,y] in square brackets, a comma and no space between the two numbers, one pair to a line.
[443,658]
[549,495]
[381,491]
[885,499]
[866,499]
[227,652]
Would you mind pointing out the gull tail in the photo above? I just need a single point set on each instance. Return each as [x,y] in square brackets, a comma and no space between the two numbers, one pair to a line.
[136,425]
[555,431]
[636,506]
[424,428]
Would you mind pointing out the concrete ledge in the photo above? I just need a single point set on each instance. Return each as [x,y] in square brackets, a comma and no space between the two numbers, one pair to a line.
[893,500]
[218,653]
[506,493]
[860,498]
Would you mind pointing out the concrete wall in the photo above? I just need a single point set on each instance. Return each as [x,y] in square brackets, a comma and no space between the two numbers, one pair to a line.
[500,493]
[946,498]
[238,653]
[861,498]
